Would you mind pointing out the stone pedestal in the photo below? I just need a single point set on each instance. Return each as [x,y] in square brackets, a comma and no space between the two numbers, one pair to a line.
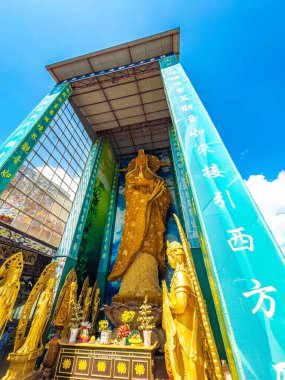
[22,366]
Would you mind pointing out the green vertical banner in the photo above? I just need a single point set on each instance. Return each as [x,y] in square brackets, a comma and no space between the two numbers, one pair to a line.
[90,245]
[73,231]
[245,262]
[21,142]
[107,239]
[184,191]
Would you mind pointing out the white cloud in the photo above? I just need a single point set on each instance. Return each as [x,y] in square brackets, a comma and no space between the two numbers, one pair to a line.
[270,198]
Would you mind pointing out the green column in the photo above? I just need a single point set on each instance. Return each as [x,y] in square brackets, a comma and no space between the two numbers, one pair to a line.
[108,237]
[20,144]
[245,265]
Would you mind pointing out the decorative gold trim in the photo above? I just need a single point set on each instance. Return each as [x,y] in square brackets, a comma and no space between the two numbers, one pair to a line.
[112,346]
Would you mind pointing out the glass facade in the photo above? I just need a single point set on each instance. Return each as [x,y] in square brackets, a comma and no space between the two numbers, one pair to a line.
[39,198]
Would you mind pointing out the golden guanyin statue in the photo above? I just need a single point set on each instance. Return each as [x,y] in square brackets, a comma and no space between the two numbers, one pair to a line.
[10,273]
[27,348]
[190,350]
[141,252]
[33,340]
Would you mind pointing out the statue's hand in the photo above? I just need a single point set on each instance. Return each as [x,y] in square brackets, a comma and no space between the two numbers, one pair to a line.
[157,192]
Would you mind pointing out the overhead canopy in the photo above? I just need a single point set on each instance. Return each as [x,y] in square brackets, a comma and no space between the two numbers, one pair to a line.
[127,105]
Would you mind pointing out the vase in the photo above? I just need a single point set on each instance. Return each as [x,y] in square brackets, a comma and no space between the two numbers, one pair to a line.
[147,338]
[105,337]
[123,342]
[73,335]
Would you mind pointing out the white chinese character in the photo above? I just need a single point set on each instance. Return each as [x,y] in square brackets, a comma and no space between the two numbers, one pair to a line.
[184,98]
[219,201]
[239,241]
[21,132]
[280,369]
[2,154]
[212,171]
[10,144]
[173,72]
[180,90]
[204,149]
[196,132]
[191,118]
[178,83]
[174,78]
[262,296]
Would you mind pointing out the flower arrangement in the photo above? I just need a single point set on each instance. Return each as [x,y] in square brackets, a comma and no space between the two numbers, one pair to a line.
[123,331]
[145,318]
[127,317]
[84,335]
[103,325]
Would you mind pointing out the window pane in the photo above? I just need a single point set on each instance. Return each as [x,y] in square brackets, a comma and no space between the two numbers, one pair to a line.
[22,222]
[40,196]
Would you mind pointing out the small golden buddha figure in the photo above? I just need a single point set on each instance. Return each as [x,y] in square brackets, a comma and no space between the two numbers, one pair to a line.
[183,349]
[141,252]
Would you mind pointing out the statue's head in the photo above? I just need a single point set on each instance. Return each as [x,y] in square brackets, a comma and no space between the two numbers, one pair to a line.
[141,159]
[175,253]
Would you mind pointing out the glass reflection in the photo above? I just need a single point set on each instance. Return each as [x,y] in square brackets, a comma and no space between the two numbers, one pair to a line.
[40,196]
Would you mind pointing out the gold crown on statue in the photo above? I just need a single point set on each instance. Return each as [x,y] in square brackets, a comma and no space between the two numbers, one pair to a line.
[174,248]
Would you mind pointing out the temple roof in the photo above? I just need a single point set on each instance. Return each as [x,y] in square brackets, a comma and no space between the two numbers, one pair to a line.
[119,91]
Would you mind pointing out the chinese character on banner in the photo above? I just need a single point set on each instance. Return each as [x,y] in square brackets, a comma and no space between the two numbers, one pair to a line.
[219,201]
[212,171]
[262,296]
[17,159]
[34,136]
[204,149]
[184,98]
[191,118]
[2,154]
[40,128]
[280,369]
[239,241]
[196,132]
[6,174]
[26,147]
[174,78]
[180,90]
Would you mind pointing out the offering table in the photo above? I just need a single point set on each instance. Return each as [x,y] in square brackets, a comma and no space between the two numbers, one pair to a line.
[78,361]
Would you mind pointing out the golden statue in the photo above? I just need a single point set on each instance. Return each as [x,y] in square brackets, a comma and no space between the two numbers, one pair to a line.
[190,350]
[28,349]
[33,340]
[141,251]
[87,304]
[10,273]
[61,317]
[83,292]
[95,307]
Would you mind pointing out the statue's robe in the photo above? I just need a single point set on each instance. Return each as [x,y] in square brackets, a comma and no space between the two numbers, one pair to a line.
[144,222]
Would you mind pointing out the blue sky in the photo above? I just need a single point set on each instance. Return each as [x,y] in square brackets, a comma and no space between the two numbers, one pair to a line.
[233,52]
